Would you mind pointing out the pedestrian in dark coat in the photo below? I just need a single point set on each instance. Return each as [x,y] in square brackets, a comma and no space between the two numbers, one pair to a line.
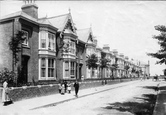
[65,83]
[60,87]
[76,86]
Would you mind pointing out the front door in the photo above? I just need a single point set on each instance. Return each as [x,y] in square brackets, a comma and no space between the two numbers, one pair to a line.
[24,77]
[80,71]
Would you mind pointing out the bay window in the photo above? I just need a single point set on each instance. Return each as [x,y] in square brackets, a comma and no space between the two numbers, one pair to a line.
[72,47]
[47,68]
[69,69]
[47,40]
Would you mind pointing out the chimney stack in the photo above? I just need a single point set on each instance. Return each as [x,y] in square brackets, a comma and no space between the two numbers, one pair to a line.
[115,52]
[30,8]
[106,47]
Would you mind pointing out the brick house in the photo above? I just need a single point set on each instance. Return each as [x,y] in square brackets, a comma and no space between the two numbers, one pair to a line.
[86,35]
[67,59]
[49,51]
[53,49]
[26,21]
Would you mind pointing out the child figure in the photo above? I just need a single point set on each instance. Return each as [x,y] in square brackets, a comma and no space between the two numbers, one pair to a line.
[59,87]
[69,87]
[63,89]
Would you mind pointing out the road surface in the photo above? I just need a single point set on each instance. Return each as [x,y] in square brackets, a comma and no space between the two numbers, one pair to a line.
[134,99]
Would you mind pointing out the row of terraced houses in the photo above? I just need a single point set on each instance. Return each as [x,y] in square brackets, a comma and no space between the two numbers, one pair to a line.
[43,56]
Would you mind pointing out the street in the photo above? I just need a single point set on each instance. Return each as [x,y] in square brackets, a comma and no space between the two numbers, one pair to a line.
[133,99]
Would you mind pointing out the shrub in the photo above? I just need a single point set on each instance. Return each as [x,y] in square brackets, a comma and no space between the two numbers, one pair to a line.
[5,74]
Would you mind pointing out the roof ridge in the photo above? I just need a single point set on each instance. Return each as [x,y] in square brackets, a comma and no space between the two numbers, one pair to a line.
[57,16]
[42,18]
[5,16]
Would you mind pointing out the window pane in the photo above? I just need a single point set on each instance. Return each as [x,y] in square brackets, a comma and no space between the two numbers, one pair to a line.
[66,65]
[51,41]
[43,43]
[43,39]
[43,62]
[25,42]
[72,70]
[43,70]
[51,67]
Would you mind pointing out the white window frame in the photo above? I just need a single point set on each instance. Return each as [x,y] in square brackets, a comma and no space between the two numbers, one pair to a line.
[67,69]
[43,68]
[72,47]
[43,35]
[72,69]
[47,68]
[51,41]
[51,69]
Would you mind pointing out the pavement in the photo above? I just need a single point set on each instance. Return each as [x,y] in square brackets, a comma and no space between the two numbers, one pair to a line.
[160,106]
[24,106]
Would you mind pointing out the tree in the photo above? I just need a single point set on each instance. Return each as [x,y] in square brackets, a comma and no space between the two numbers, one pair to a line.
[127,68]
[104,62]
[115,67]
[14,46]
[137,72]
[161,54]
[140,72]
[5,74]
[91,62]
[133,70]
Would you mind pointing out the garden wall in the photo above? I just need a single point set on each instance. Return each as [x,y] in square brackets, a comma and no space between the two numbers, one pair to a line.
[26,92]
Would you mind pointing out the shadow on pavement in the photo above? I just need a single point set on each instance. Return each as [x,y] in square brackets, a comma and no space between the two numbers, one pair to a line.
[145,107]
[152,87]
[162,88]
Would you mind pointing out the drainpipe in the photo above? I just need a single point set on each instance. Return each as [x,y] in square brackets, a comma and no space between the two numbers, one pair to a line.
[12,52]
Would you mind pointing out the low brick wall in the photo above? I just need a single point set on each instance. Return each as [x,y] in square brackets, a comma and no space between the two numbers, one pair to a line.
[26,92]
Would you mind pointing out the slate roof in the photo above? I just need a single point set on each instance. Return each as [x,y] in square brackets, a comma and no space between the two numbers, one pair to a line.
[19,13]
[44,21]
[83,34]
[59,21]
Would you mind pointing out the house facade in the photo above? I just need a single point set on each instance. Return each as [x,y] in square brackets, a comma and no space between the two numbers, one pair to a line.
[27,66]
[54,49]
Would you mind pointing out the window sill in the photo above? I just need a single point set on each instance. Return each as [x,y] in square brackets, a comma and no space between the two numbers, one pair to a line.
[25,46]
[48,78]
[45,49]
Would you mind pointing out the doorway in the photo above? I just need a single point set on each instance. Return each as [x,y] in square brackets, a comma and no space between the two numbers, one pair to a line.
[24,71]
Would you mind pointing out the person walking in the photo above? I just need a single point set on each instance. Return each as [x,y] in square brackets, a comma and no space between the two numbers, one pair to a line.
[63,89]
[5,94]
[65,83]
[69,87]
[60,87]
[76,86]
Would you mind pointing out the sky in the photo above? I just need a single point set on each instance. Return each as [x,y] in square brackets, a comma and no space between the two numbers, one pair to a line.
[127,26]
